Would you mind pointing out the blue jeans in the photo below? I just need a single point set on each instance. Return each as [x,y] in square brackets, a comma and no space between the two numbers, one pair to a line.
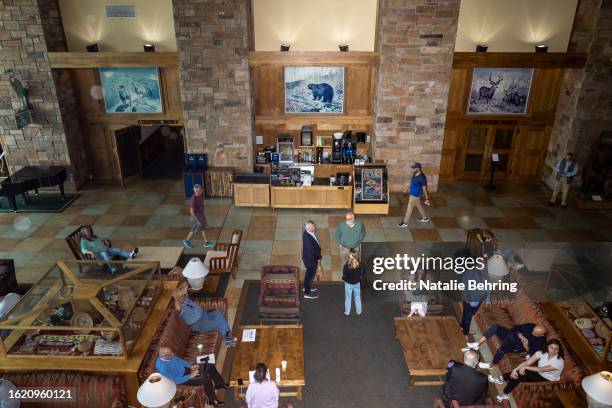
[108,254]
[350,289]
[211,321]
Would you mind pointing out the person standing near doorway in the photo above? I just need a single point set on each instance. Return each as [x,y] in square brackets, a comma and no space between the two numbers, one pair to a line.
[349,235]
[416,189]
[311,256]
[198,220]
[566,168]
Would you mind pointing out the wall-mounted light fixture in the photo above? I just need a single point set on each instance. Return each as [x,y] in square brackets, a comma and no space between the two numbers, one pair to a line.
[149,47]
[92,48]
[285,47]
[482,48]
[541,48]
[343,47]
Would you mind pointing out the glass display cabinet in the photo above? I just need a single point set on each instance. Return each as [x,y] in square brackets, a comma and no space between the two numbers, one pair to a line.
[79,309]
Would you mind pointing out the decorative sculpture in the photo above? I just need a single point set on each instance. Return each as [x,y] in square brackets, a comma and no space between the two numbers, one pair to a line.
[23,116]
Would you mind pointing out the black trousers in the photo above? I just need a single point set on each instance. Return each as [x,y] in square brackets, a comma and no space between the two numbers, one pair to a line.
[466,318]
[529,376]
[209,378]
[311,269]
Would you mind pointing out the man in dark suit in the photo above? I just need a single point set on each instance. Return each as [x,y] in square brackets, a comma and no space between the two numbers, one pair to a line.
[463,383]
[311,255]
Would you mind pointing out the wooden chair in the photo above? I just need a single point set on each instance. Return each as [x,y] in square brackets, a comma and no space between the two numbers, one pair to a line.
[225,255]
[74,242]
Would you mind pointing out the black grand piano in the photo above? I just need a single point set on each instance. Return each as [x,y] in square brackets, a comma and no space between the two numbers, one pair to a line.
[31,178]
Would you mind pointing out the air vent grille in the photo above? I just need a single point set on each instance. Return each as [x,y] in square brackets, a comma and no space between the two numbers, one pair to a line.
[120,10]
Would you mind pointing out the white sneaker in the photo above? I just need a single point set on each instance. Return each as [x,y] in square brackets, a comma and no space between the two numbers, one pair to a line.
[425,219]
[484,366]
[133,253]
[496,379]
[311,290]
[501,397]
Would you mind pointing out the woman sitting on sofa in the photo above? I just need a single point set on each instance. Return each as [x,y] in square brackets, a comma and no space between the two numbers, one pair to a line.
[549,368]
[200,320]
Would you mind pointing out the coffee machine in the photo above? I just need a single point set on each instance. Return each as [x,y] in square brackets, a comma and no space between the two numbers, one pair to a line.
[337,148]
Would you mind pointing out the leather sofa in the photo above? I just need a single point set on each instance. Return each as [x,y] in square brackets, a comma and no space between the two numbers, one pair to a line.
[174,333]
[88,390]
[489,403]
[518,310]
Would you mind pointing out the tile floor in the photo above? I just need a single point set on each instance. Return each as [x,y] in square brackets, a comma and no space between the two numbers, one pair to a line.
[153,213]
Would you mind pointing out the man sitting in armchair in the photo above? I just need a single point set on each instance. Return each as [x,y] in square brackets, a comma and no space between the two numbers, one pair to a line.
[463,383]
[183,372]
[101,248]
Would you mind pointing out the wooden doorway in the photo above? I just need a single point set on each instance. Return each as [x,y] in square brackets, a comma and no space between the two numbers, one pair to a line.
[126,142]
[479,144]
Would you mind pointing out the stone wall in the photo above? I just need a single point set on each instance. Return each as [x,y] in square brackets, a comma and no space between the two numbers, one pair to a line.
[416,40]
[56,42]
[23,49]
[213,39]
[584,109]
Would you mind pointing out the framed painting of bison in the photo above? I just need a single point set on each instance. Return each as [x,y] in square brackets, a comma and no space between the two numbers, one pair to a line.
[131,90]
[500,91]
[314,90]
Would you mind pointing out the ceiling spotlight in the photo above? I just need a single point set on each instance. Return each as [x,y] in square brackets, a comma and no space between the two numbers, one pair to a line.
[149,47]
[482,48]
[343,47]
[92,48]
[285,47]
[541,48]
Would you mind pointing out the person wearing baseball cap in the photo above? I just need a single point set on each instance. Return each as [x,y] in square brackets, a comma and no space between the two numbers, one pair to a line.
[416,189]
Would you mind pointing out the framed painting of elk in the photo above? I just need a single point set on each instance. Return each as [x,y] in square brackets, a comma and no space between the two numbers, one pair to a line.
[500,91]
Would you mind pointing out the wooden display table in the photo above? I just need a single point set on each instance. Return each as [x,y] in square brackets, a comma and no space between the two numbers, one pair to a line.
[315,196]
[272,345]
[167,257]
[428,343]
[127,367]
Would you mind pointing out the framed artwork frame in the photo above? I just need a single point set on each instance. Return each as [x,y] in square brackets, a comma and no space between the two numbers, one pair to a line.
[131,90]
[372,183]
[314,90]
[500,91]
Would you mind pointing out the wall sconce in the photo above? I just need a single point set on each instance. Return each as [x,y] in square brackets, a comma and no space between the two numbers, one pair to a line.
[149,47]
[285,47]
[343,47]
[482,48]
[92,48]
[541,48]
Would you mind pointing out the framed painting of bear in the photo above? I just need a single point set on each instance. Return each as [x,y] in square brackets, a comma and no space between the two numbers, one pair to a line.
[314,90]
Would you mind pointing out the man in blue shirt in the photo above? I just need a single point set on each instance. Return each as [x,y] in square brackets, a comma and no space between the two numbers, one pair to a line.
[183,372]
[566,168]
[417,188]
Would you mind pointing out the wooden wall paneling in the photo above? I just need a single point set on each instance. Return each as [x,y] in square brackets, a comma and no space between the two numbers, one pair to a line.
[312,58]
[458,91]
[545,91]
[450,153]
[99,147]
[358,90]
[171,90]
[519,59]
[269,90]
[112,59]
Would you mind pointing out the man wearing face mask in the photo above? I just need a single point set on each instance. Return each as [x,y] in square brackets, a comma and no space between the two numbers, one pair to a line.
[417,188]
[349,235]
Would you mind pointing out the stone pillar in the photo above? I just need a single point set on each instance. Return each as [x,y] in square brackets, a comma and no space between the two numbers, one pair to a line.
[584,108]
[416,41]
[56,42]
[24,49]
[213,39]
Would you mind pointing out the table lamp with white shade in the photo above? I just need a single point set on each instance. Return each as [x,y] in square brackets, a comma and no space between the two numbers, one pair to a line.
[195,271]
[156,392]
[496,266]
[598,388]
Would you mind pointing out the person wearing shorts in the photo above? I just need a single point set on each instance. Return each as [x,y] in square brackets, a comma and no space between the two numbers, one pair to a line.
[198,220]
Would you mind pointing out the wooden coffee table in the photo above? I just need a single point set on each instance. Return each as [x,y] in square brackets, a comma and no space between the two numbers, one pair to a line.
[272,345]
[428,343]
[167,257]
